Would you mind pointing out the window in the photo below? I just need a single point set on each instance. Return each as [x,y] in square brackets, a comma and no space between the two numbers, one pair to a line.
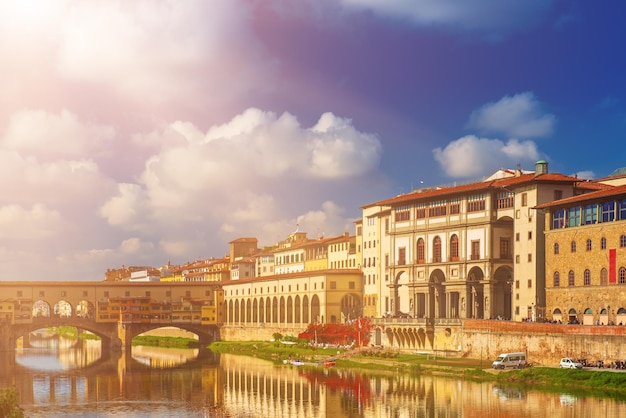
[622,209]
[524,199]
[454,248]
[437,208]
[505,200]
[505,248]
[570,278]
[608,211]
[401,256]
[558,219]
[530,235]
[588,245]
[573,246]
[517,236]
[590,215]
[530,258]
[530,283]
[556,248]
[420,211]
[455,205]
[437,250]
[402,213]
[587,277]
[475,250]
[371,221]
[622,241]
[333,285]
[476,203]
[622,275]
[573,216]
[420,251]
[351,285]
[558,194]
[517,259]
[557,279]
[603,243]
[604,277]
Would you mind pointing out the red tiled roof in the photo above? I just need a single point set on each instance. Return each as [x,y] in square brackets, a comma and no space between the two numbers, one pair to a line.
[475,187]
[591,196]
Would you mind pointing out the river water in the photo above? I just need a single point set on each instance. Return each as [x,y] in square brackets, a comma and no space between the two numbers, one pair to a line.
[67,381]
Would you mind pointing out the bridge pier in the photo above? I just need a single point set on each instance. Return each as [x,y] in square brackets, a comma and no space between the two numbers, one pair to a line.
[7,337]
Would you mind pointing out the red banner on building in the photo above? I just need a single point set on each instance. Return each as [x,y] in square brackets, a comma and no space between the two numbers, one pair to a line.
[612,271]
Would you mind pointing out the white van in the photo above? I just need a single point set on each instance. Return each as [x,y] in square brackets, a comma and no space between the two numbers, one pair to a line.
[514,360]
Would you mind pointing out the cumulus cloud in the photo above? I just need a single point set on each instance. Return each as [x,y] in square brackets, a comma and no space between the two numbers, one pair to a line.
[253,167]
[518,116]
[493,16]
[471,156]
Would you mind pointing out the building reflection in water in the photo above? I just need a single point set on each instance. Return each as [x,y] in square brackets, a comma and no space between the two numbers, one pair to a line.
[181,385]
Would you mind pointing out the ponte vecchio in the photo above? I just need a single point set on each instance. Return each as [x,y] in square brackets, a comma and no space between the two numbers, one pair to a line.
[115,311]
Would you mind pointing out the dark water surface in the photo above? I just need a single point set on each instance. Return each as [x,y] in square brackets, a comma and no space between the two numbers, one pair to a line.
[67,381]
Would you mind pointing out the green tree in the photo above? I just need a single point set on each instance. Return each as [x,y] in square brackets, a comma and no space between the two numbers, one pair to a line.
[8,404]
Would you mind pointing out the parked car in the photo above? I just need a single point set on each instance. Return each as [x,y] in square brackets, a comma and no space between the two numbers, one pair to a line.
[568,363]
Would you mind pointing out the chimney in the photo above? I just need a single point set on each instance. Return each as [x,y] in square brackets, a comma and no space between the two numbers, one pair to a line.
[541,167]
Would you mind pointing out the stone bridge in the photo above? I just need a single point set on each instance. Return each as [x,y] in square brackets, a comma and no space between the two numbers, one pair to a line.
[29,306]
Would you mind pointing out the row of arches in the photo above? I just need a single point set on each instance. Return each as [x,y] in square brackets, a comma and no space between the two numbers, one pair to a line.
[604,316]
[440,297]
[291,309]
[274,310]
[62,309]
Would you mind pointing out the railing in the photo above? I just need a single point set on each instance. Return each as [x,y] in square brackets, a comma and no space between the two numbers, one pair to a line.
[416,321]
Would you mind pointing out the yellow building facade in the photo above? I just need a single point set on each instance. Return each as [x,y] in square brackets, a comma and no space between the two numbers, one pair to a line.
[586,258]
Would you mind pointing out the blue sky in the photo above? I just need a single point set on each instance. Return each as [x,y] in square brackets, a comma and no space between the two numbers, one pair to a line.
[141,132]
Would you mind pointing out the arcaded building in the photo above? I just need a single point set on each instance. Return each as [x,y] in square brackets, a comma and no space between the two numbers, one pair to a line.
[586,257]
[465,251]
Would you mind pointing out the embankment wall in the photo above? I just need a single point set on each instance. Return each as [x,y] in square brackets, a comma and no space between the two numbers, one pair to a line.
[544,344]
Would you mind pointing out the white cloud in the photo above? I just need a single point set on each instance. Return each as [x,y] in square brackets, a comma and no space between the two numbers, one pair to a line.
[28,224]
[479,15]
[259,171]
[585,175]
[471,156]
[518,116]
[149,49]
[50,136]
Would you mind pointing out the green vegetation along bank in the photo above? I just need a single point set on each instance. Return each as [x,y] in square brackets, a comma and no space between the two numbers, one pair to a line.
[590,382]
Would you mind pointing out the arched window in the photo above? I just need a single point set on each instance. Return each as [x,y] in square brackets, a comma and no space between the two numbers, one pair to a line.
[587,277]
[622,241]
[573,246]
[556,248]
[604,277]
[420,250]
[454,247]
[437,250]
[588,245]
[570,278]
[622,275]
[557,279]
[603,243]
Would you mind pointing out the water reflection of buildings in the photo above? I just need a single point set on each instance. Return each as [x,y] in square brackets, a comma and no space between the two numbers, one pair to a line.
[263,389]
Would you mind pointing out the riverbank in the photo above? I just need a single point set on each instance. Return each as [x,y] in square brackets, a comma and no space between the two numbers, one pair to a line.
[591,382]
